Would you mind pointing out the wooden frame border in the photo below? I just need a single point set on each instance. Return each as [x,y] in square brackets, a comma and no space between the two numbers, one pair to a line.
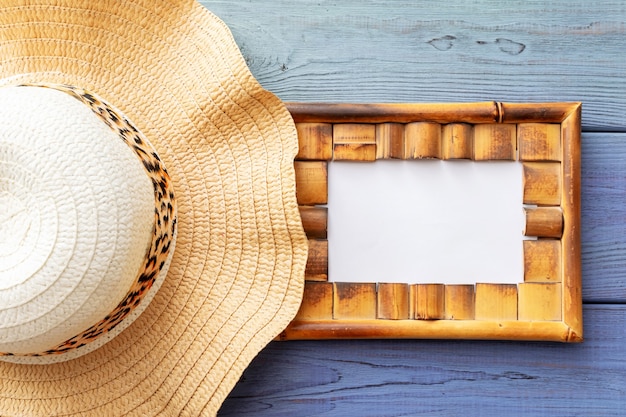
[544,136]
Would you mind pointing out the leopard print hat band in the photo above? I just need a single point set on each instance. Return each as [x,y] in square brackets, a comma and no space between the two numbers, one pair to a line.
[90,227]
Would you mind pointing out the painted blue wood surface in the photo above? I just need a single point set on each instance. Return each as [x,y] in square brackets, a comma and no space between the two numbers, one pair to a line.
[474,50]
[430,51]
[603,209]
[442,378]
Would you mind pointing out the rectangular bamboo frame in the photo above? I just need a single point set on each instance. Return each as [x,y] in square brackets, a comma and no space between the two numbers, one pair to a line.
[545,137]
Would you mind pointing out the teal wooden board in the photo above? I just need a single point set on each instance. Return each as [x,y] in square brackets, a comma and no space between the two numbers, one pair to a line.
[475,50]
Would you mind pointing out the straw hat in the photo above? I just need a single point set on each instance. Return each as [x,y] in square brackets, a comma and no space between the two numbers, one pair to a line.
[150,240]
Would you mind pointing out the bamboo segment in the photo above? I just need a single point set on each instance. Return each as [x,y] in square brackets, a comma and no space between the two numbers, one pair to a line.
[456,141]
[544,222]
[534,112]
[317,262]
[542,183]
[422,140]
[314,221]
[315,141]
[486,112]
[365,152]
[459,302]
[354,142]
[354,300]
[393,301]
[494,142]
[556,331]
[311,182]
[539,301]
[539,141]
[389,140]
[542,260]
[412,301]
[354,133]
[571,239]
[429,301]
[317,301]
[496,302]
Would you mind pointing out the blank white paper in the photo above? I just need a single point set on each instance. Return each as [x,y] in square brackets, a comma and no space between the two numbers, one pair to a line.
[425,221]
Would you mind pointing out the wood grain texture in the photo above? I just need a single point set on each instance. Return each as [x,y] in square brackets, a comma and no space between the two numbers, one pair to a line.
[494,142]
[364,328]
[354,142]
[318,301]
[539,141]
[317,262]
[603,227]
[422,140]
[429,301]
[542,260]
[315,141]
[393,301]
[459,302]
[352,51]
[486,112]
[539,301]
[311,182]
[478,50]
[457,141]
[389,140]
[382,378]
[571,239]
[542,183]
[354,300]
[495,302]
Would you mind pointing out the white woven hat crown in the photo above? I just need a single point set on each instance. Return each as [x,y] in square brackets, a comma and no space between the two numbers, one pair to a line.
[78,233]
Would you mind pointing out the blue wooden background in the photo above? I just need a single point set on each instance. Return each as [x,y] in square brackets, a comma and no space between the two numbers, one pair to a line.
[434,51]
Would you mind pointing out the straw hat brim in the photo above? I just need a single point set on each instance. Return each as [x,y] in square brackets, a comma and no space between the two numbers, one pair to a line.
[236,276]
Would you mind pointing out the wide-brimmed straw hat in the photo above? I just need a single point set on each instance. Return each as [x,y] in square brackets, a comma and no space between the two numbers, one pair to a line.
[150,240]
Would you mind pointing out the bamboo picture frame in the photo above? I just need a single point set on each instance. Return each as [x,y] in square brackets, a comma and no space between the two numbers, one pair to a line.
[544,137]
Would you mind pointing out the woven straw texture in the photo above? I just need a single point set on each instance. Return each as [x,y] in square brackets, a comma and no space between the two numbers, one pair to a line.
[236,276]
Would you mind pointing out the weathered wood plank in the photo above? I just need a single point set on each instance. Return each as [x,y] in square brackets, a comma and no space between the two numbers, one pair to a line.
[438,51]
[440,378]
[603,222]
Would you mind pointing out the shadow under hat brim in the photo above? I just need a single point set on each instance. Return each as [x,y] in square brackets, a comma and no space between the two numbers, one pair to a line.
[236,276]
